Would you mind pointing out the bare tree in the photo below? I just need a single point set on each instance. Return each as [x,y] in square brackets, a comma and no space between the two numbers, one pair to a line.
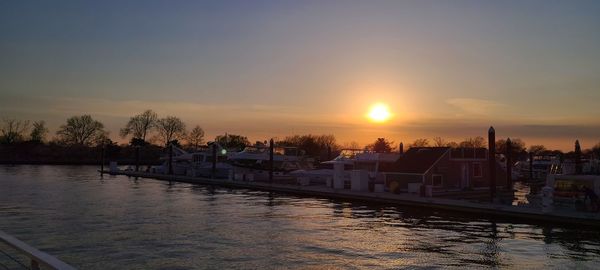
[13,130]
[439,142]
[82,130]
[232,141]
[327,141]
[537,149]
[170,128]
[477,142]
[196,137]
[452,144]
[351,145]
[517,148]
[139,126]
[420,143]
[39,131]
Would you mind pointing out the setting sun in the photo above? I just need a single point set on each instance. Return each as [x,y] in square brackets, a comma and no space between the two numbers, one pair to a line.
[379,113]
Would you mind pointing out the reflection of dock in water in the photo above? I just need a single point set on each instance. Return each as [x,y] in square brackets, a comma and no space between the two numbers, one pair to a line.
[497,210]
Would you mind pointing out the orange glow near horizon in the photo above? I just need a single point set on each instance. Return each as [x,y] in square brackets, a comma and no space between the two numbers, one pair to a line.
[379,113]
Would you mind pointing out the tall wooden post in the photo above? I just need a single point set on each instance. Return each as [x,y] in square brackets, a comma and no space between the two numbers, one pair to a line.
[492,161]
[271,161]
[508,164]
[401,148]
[578,166]
[329,152]
[213,172]
[170,158]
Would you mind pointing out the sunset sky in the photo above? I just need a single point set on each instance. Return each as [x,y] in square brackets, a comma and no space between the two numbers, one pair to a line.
[275,68]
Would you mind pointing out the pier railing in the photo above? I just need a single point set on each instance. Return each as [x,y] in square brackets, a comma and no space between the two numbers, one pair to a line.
[37,259]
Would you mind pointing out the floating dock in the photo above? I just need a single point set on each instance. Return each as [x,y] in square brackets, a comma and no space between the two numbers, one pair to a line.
[497,210]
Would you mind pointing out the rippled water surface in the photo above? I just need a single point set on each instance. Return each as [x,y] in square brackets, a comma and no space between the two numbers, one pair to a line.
[124,223]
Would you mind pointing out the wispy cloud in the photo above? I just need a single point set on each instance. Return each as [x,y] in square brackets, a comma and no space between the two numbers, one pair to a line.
[476,107]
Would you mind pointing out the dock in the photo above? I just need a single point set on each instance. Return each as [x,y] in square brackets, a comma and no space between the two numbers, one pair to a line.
[520,213]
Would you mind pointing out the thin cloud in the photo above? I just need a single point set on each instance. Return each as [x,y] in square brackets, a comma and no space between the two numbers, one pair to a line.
[476,107]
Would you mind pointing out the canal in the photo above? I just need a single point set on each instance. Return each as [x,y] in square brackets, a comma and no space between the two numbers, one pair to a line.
[116,222]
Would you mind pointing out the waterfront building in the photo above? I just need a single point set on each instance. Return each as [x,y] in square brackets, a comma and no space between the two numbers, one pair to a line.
[445,171]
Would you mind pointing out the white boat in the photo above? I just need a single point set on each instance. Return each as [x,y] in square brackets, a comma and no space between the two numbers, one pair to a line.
[196,164]
[540,167]
[252,163]
[349,160]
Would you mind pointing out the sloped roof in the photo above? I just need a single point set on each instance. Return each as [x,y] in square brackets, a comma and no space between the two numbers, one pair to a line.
[417,160]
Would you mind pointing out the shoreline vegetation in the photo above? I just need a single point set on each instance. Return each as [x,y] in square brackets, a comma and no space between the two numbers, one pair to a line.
[79,141]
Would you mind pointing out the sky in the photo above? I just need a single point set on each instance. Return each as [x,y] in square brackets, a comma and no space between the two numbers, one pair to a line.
[274,68]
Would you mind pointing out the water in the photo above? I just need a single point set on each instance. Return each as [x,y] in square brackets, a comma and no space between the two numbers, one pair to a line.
[123,223]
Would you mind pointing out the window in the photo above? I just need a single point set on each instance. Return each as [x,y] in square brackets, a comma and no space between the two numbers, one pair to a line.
[437,180]
[477,170]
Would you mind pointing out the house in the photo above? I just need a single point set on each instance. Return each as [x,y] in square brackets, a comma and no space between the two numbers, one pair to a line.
[445,169]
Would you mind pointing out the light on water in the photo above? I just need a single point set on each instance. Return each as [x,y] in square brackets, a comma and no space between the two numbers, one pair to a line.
[127,223]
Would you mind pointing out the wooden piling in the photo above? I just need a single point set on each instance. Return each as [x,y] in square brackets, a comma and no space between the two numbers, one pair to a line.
[508,164]
[213,172]
[492,161]
[271,160]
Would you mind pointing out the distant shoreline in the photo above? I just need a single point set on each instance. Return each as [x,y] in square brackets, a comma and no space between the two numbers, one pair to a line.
[51,154]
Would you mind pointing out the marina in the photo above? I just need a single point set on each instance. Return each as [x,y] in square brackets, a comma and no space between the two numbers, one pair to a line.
[498,210]
[299,135]
[120,222]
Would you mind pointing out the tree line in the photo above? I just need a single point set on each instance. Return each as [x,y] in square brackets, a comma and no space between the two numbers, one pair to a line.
[147,128]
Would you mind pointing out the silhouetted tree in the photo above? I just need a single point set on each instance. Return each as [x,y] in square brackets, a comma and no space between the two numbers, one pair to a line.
[596,150]
[537,149]
[351,145]
[82,130]
[312,145]
[419,143]
[452,144]
[381,145]
[327,141]
[477,142]
[196,137]
[138,142]
[439,142]
[39,131]
[170,128]
[13,130]
[175,143]
[232,141]
[517,148]
[139,126]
